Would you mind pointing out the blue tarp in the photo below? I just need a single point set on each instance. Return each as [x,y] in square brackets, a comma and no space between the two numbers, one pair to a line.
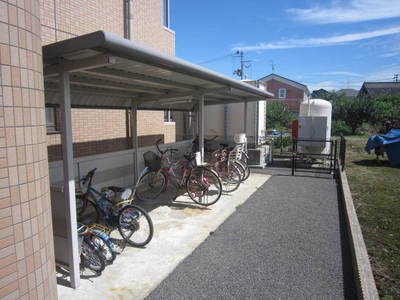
[390,141]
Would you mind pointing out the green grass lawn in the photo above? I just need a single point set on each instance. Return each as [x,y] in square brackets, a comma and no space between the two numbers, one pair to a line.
[375,187]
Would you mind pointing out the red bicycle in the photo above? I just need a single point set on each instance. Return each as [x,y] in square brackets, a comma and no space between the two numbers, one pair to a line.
[202,184]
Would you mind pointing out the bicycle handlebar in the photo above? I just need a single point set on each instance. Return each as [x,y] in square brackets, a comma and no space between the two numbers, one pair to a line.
[88,176]
[166,150]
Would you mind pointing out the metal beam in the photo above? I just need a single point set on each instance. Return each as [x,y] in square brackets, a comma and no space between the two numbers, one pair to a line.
[119,82]
[90,82]
[79,64]
[201,127]
[167,97]
[245,118]
[116,74]
[134,140]
[69,180]
[52,86]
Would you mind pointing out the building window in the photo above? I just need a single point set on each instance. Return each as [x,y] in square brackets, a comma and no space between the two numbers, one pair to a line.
[167,116]
[166,14]
[282,93]
[51,123]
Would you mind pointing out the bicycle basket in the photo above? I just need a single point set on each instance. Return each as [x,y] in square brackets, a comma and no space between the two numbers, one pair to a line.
[152,160]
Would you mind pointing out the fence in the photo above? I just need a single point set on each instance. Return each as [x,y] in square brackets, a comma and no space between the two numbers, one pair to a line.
[301,159]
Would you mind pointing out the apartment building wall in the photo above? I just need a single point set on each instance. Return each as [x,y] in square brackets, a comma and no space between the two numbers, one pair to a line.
[107,130]
[148,28]
[27,267]
[294,95]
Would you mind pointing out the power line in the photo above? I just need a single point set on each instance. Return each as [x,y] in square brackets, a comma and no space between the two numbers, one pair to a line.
[214,59]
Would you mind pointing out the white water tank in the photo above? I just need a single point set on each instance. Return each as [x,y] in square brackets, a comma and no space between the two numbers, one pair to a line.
[315,118]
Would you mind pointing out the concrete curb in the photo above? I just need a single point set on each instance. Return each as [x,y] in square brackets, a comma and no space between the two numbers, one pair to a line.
[364,279]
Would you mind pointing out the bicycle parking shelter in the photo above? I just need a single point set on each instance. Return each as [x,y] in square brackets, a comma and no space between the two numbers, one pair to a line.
[102,70]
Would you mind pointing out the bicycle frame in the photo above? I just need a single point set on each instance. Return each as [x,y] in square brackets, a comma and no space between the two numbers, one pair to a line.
[170,174]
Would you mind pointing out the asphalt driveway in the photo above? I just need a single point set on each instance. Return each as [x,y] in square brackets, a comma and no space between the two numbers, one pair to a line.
[287,241]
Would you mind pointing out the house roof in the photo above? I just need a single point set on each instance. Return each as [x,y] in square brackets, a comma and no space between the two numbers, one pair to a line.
[375,89]
[285,80]
[108,71]
[348,92]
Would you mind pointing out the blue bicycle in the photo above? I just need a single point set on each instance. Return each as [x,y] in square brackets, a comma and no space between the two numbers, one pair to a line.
[133,222]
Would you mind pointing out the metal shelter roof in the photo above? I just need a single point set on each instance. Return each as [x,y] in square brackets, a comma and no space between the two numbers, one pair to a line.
[107,71]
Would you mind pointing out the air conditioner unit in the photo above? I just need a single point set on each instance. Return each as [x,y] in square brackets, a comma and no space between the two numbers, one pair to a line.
[259,157]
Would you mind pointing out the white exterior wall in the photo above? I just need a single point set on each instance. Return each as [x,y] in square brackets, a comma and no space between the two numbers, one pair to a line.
[214,120]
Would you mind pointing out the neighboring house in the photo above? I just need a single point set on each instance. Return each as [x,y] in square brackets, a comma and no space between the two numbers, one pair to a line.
[376,89]
[108,130]
[351,93]
[286,91]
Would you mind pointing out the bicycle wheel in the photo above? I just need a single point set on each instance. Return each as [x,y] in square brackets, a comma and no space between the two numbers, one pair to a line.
[87,212]
[204,186]
[245,168]
[150,185]
[104,248]
[240,169]
[230,177]
[246,172]
[135,225]
[91,258]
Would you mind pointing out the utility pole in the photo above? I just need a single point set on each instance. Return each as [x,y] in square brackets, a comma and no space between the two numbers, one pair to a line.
[240,72]
[396,77]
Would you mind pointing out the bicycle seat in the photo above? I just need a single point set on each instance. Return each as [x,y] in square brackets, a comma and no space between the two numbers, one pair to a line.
[125,193]
[224,145]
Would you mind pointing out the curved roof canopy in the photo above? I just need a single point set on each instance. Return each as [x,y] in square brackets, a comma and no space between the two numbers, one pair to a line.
[107,71]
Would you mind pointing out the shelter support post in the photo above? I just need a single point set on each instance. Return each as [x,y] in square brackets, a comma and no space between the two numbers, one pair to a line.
[201,127]
[245,118]
[134,141]
[69,180]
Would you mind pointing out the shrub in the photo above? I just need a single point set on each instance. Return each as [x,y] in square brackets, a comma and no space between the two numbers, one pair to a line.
[340,127]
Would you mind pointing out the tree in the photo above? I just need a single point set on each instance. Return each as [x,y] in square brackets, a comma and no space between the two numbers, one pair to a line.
[354,112]
[320,94]
[278,115]
[388,108]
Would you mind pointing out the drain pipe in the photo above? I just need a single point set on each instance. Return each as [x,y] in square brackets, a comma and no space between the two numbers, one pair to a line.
[128,20]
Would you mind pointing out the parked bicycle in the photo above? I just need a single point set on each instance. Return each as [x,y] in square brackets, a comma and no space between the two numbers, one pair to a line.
[90,255]
[229,172]
[201,183]
[237,155]
[132,221]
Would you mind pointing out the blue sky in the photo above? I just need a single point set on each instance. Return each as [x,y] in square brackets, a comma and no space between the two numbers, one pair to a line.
[329,44]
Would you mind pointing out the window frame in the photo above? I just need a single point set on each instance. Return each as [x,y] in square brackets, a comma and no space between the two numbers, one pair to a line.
[166,14]
[168,116]
[52,126]
[284,93]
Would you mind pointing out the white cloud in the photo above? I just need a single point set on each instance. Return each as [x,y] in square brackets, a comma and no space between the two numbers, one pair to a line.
[318,42]
[355,11]
[334,85]
[391,54]
[383,74]
[342,73]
